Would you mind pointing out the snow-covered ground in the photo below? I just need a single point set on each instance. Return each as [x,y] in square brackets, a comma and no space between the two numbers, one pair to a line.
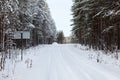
[107,59]
[60,62]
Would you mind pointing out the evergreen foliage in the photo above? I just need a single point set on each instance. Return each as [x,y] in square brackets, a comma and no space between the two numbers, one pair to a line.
[97,23]
[60,37]
[24,15]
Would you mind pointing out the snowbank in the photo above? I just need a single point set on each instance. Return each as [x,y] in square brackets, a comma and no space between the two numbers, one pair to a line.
[16,65]
[100,56]
[54,43]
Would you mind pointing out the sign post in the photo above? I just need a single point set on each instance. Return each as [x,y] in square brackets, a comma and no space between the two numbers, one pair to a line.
[21,46]
[22,35]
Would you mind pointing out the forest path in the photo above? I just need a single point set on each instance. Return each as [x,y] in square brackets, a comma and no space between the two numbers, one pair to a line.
[62,62]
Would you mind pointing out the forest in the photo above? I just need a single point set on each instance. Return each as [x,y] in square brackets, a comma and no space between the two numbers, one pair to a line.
[31,17]
[26,15]
[35,47]
[96,23]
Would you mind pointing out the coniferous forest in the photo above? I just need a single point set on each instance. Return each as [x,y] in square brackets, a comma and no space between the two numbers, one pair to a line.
[97,23]
[26,15]
[24,23]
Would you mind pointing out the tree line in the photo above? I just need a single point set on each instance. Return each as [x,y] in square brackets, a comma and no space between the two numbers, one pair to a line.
[97,23]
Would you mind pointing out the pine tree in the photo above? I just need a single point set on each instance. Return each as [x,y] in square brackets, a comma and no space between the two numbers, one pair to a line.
[24,15]
[96,23]
[60,37]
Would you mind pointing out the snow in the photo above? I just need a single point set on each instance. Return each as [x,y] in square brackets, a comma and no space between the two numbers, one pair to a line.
[107,59]
[108,29]
[59,62]
[98,13]
[109,13]
[54,43]
[117,13]
[31,25]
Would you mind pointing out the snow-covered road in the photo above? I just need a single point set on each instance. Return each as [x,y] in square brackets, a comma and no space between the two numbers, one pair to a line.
[62,62]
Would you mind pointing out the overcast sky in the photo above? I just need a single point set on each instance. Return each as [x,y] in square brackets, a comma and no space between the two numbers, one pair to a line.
[61,13]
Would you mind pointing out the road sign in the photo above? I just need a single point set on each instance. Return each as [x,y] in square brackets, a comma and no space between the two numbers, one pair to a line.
[25,34]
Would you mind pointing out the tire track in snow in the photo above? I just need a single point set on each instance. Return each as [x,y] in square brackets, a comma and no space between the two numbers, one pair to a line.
[63,62]
[63,70]
[76,68]
[89,68]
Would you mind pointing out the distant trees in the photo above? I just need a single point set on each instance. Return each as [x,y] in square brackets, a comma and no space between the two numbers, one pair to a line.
[60,37]
[97,23]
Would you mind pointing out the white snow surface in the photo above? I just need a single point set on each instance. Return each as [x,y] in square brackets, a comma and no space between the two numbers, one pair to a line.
[59,62]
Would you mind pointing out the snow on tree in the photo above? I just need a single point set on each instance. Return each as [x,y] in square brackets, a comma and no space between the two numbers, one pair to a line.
[38,14]
[96,23]
[24,15]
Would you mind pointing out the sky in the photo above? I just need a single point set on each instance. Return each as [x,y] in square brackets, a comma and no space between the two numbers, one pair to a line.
[61,13]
